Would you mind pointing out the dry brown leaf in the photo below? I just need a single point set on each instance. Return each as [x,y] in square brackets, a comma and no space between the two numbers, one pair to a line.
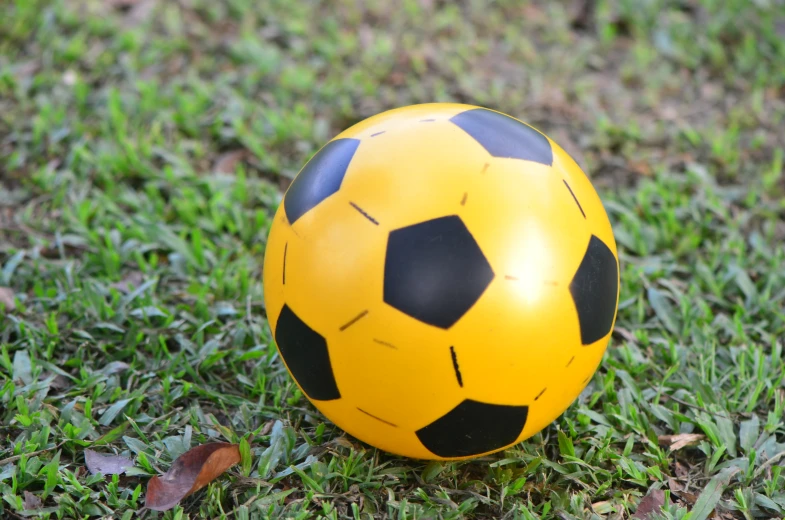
[227,162]
[582,14]
[681,470]
[681,440]
[268,426]
[69,78]
[58,383]
[129,282]
[533,12]
[7,299]
[678,489]
[650,505]
[32,501]
[640,167]
[626,334]
[192,470]
[343,442]
[135,11]
[106,464]
[26,69]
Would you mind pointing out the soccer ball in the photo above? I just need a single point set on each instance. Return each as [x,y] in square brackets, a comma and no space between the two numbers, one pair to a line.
[441,281]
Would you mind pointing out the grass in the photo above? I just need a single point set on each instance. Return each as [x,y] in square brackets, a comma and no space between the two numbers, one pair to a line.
[143,149]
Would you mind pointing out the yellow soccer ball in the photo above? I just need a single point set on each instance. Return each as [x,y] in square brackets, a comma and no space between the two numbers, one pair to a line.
[441,281]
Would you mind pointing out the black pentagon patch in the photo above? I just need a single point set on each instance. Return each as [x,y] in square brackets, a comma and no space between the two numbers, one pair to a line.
[434,271]
[504,136]
[319,178]
[595,291]
[473,428]
[305,352]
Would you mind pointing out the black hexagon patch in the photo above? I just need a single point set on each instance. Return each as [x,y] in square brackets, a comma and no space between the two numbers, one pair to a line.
[595,291]
[473,428]
[320,177]
[504,136]
[434,271]
[305,352]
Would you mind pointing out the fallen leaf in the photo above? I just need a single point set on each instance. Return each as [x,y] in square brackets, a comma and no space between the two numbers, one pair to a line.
[59,382]
[669,112]
[681,470]
[106,464]
[343,441]
[26,69]
[626,334]
[190,472]
[532,12]
[267,427]
[129,282]
[136,11]
[640,167]
[650,505]
[227,162]
[7,299]
[32,501]
[70,77]
[583,14]
[678,489]
[680,440]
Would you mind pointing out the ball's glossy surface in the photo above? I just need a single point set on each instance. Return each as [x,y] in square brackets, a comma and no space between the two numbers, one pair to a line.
[441,281]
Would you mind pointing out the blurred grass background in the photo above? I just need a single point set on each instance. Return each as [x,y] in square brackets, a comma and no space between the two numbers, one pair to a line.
[144,146]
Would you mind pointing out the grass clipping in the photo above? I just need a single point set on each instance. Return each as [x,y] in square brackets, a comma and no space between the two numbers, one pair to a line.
[192,470]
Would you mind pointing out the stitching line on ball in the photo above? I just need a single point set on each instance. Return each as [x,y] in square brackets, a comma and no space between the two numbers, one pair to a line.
[285,247]
[455,366]
[353,320]
[364,214]
[377,418]
[574,198]
[380,342]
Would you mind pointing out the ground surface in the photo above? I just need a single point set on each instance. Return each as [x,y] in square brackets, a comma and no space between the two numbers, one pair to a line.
[143,145]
